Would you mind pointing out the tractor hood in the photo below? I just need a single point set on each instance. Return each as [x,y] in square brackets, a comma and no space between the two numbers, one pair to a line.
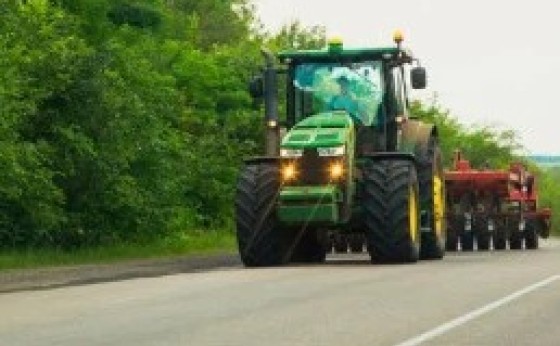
[319,131]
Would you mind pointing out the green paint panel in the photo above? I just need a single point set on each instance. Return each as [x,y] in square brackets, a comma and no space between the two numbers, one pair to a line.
[310,194]
[308,213]
[337,119]
[300,204]
[320,131]
[314,138]
[321,137]
[299,137]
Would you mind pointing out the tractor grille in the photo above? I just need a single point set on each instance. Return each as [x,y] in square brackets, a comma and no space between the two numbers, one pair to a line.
[314,169]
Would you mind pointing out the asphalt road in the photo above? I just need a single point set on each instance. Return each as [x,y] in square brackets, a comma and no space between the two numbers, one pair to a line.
[506,298]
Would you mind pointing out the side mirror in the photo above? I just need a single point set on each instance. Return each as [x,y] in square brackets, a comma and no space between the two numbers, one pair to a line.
[256,87]
[418,77]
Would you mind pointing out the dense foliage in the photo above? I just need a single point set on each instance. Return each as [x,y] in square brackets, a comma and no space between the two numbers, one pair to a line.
[128,119]
[481,145]
[549,188]
[122,119]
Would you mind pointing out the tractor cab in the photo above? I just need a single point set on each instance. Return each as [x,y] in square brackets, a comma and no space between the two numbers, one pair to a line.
[368,85]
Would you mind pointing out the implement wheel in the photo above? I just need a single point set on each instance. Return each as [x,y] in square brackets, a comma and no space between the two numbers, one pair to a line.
[481,234]
[500,241]
[432,202]
[483,241]
[467,241]
[260,240]
[391,205]
[516,240]
[452,241]
[531,236]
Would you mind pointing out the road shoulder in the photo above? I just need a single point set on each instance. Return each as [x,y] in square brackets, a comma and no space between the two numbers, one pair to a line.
[53,277]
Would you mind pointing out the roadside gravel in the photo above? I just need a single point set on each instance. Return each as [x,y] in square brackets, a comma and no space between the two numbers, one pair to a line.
[53,277]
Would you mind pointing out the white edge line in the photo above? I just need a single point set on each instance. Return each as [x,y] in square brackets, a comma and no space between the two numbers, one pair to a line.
[417,340]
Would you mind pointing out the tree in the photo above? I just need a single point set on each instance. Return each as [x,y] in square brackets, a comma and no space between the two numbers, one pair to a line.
[480,144]
[296,36]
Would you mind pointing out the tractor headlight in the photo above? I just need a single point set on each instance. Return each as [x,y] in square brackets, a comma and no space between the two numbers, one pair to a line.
[291,153]
[332,151]
[289,172]
[336,171]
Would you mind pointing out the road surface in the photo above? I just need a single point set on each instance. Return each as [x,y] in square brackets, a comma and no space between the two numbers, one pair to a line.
[506,298]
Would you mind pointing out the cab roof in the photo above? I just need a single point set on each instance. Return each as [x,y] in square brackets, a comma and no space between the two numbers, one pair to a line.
[344,54]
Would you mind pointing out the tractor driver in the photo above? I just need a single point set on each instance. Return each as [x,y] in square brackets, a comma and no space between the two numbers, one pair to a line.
[344,100]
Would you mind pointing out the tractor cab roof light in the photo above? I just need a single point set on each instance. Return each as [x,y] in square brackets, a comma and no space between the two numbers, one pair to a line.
[398,37]
[335,44]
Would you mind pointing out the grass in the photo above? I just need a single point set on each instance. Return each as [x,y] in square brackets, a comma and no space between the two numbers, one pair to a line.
[208,242]
[192,243]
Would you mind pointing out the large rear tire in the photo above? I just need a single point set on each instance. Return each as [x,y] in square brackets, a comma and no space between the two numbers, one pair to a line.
[391,205]
[260,240]
[432,201]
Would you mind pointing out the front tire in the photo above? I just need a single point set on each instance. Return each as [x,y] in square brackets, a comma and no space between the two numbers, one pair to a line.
[260,240]
[391,206]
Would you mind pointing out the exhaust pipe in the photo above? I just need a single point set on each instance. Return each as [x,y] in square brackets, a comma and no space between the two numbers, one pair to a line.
[272,132]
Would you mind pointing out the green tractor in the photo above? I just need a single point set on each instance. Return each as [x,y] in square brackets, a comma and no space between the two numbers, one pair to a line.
[345,164]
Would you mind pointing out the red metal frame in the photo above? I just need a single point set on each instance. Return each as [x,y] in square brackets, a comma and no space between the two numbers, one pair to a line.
[514,186]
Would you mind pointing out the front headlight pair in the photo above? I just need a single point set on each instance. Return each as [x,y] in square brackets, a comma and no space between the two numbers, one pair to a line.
[290,171]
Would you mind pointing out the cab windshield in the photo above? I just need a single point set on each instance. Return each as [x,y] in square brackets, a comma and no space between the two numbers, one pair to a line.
[355,88]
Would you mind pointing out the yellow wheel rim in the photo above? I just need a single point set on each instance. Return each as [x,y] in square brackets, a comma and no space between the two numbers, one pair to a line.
[439,205]
[412,214]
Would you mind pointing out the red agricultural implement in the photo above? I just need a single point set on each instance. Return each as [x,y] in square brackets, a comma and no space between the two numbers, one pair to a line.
[487,206]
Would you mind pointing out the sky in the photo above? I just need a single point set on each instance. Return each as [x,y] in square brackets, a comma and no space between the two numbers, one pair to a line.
[489,62]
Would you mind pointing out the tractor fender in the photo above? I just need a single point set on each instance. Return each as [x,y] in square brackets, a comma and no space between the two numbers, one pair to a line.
[391,156]
[416,136]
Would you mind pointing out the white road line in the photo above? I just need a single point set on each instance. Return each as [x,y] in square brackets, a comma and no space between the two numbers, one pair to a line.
[442,329]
